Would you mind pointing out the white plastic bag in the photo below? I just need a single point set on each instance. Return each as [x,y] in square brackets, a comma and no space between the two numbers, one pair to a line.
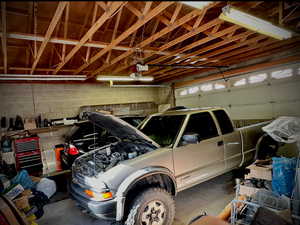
[47,186]
[284,129]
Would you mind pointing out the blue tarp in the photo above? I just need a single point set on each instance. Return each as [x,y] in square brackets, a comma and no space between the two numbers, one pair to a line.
[283,179]
[24,179]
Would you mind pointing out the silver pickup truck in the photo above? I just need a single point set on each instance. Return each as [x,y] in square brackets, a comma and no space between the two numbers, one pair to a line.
[136,178]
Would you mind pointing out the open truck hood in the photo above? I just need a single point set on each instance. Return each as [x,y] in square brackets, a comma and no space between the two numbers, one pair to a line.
[117,127]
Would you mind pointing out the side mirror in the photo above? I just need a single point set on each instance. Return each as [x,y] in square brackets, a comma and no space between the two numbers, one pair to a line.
[192,138]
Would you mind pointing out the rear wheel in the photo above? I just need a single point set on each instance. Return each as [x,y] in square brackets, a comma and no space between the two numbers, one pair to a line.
[154,206]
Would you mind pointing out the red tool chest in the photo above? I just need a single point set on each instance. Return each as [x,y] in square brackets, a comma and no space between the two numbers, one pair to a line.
[28,154]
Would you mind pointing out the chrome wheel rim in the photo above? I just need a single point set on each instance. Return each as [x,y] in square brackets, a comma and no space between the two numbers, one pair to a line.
[154,213]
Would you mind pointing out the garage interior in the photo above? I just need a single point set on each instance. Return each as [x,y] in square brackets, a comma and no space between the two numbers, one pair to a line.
[65,66]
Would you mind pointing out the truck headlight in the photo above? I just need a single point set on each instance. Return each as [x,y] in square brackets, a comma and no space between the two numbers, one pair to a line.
[99,196]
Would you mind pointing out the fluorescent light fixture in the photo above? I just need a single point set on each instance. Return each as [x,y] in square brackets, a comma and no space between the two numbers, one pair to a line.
[197,4]
[41,77]
[124,78]
[250,22]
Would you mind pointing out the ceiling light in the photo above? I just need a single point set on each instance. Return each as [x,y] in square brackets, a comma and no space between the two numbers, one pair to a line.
[124,78]
[197,4]
[41,77]
[250,22]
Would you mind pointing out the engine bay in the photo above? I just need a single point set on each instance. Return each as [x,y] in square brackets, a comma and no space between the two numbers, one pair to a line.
[106,157]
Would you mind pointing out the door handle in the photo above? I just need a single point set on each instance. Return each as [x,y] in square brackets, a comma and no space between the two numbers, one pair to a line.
[220,143]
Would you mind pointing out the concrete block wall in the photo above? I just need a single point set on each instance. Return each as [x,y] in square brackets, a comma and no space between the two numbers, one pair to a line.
[64,100]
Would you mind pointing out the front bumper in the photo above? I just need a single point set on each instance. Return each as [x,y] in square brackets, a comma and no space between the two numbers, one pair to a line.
[103,210]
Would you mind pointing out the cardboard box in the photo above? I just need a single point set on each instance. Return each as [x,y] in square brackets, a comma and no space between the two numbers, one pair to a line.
[21,202]
[259,172]
[14,192]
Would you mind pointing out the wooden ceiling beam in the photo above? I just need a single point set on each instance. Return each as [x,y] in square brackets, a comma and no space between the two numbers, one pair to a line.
[102,5]
[154,37]
[264,49]
[57,15]
[237,72]
[147,7]
[222,55]
[4,38]
[219,59]
[255,4]
[134,10]
[196,43]
[199,19]
[114,33]
[92,44]
[185,36]
[42,69]
[152,13]
[105,16]
[88,51]
[67,12]
[196,54]
[176,12]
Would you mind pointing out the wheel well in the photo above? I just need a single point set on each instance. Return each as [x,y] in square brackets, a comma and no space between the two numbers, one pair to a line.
[156,180]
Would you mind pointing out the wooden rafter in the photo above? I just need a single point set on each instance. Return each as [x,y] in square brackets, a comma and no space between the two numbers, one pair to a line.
[114,6]
[42,69]
[4,38]
[255,4]
[65,29]
[259,52]
[213,56]
[57,53]
[155,27]
[180,22]
[88,51]
[92,44]
[53,45]
[114,33]
[102,5]
[152,13]
[35,26]
[57,15]
[147,7]
[220,57]
[194,44]
[176,12]
[134,10]
[200,18]
[194,56]
[154,37]
[280,12]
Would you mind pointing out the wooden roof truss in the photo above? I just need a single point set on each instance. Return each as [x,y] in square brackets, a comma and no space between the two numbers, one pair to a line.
[110,37]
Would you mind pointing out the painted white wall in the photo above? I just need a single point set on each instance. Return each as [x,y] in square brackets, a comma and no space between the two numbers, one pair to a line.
[268,99]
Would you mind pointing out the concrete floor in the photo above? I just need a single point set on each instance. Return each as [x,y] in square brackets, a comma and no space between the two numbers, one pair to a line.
[211,196]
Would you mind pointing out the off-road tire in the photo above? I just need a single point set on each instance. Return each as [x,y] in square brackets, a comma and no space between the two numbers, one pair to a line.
[139,204]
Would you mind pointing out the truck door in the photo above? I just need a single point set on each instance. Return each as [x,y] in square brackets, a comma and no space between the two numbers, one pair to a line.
[200,152]
[231,138]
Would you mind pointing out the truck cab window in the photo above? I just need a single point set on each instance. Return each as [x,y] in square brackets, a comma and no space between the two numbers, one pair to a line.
[163,129]
[224,121]
[201,124]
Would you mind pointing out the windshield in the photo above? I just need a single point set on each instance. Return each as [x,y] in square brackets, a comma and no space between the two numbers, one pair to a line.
[163,129]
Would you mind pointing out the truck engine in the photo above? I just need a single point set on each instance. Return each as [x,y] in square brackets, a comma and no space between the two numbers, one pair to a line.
[106,157]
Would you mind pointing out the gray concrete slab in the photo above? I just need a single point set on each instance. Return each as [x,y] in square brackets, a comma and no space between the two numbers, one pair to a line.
[211,196]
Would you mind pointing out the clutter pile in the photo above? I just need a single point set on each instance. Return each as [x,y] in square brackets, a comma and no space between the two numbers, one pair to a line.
[271,186]
[27,194]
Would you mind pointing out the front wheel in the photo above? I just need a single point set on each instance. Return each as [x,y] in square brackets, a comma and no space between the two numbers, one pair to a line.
[154,206]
